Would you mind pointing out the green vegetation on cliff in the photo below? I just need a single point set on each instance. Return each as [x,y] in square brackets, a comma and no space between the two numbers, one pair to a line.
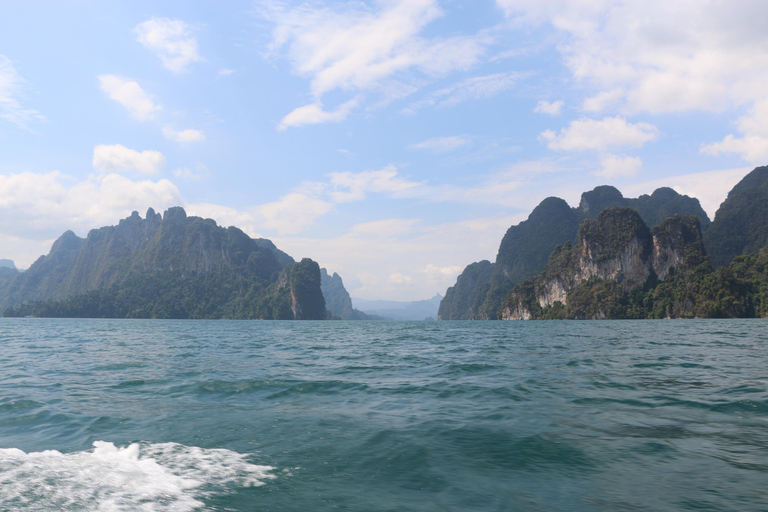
[741,223]
[170,266]
[691,288]
[459,301]
[525,248]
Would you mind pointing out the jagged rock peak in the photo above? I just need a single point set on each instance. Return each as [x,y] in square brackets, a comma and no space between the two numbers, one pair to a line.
[174,213]
[612,230]
[599,198]
[616,246]
[677,241]
[68,241]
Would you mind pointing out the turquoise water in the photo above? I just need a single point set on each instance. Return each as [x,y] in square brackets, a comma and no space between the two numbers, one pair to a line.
[376,416]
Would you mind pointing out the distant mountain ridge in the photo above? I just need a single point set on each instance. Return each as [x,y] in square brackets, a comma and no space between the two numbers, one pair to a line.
[481,290]
[617,267]
[398,310]
[167,266]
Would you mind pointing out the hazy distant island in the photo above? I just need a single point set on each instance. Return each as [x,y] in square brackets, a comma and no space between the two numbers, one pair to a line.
[656,256]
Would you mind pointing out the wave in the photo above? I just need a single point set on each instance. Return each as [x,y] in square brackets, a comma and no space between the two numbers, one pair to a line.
[143,477]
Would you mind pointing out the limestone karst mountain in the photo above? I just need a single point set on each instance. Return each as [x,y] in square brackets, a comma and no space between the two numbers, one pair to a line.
[167,266]
[525,248]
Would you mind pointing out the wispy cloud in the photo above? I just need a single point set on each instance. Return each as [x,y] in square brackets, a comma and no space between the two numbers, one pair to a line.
[355,48]
[199,172]
[118,158]
[292,213]
[600,135]
[188,135]
[552,108]
[475,88]
[442,144]
[172,41]
[753,144]
[314,114]
[11,84]
[619,166]
[353,186]
[130,95]
[667,62]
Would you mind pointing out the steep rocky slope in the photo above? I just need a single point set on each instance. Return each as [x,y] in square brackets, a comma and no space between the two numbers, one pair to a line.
[169,265]
[741,223]
[616,246]
[526,247]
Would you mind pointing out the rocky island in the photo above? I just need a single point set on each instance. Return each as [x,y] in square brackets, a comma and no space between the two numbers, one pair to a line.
[656,256]
[171,266]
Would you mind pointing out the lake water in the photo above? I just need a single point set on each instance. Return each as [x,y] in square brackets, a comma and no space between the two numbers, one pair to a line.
[133,415]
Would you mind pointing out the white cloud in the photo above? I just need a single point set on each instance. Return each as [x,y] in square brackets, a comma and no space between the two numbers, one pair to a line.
[198,173]
[603,100]
[354,47]
[688,55]
[188,135]
[475,88]
[399,279]
[293,213]
[36,207]
[353,186]
[172,40]
[11,108]
[753,145]
[615,166]
[442,144]
[130,95]
[226,71]
[610,132]
[441,277]
[385,228]
[226,216]
[424,255]
[314,114]
[709,187]
[117,158]
[551,108]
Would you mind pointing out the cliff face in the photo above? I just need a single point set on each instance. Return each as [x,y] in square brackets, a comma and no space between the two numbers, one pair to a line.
[526,247]
[337,299]
[194,257]
[616,247]
[299,287]
[741,223]
[459,301]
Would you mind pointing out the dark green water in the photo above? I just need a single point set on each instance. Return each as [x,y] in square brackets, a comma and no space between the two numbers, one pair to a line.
[376,416]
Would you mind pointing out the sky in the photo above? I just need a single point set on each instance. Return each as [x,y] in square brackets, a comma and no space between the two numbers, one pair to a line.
[392,141]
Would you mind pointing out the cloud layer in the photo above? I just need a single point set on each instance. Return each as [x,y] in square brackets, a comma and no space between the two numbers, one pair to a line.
[118,158]
[366,49]
[171,40]
[130,95]
[11,85]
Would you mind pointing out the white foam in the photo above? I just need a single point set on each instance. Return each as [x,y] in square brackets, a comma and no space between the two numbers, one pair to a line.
[140,477]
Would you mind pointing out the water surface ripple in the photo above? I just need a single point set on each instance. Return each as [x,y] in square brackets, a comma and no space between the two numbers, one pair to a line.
[383,416]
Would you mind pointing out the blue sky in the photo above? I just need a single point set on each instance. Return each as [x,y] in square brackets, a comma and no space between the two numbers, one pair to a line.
[393,141]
